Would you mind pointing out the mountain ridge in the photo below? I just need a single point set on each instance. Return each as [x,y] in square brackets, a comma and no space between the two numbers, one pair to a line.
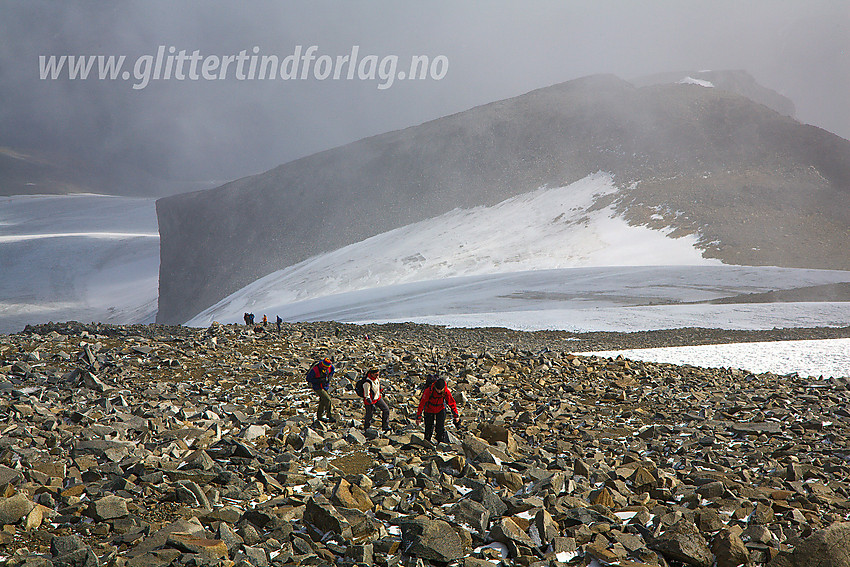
[732,80]
[662,141]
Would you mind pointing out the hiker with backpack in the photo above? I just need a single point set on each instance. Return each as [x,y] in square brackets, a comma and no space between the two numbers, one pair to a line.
[319,379]
[369,388]
[433,403]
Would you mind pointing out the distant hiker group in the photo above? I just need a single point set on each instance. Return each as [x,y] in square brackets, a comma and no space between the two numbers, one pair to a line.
[436,397]
[249,320]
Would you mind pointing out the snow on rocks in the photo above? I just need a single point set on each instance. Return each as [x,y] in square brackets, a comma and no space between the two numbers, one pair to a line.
[148,445]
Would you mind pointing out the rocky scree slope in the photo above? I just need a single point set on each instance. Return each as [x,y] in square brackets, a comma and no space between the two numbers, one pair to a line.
[149,445]
[756,186]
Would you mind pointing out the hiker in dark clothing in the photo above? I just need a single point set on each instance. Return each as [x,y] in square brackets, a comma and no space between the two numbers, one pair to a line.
[319,379]
[433,403]
[278,322]
[246,319]
[373,396]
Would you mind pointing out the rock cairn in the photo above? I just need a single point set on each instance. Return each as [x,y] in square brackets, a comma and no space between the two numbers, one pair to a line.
[147,446]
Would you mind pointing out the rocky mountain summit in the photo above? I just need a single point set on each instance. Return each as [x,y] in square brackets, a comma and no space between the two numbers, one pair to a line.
[153,446]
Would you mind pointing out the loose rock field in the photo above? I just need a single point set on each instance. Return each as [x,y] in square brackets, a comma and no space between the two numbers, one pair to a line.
[154,446]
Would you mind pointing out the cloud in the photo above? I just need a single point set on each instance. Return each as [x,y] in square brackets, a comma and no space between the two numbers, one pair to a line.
[196,133]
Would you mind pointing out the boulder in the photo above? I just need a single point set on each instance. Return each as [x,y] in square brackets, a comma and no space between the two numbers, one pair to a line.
[505,530]
[14,508]
[729,549]
[107,508]
[71,551]
[494,434]
[488,498]
[350,495]
[191,543]
[324,517]
[431,540]
[473,514]
[683,542]
[544,528]
[829,547]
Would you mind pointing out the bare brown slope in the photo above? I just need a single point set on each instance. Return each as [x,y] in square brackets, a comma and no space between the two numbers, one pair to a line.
[723,160]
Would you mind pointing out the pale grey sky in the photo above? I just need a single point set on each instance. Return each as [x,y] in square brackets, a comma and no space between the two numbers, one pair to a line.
[223,129]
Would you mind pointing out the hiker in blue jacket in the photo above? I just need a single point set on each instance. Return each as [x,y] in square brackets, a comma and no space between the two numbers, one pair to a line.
[319,378]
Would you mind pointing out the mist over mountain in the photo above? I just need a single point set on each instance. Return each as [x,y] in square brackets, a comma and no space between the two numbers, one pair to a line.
[755,186]
[179,135]
[25,174]
[27,171]
[735,81]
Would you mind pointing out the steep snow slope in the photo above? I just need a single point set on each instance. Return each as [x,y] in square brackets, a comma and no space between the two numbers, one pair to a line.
[541,230]
[552,258]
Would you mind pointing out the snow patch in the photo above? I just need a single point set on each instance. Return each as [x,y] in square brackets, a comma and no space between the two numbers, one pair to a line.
[827,357]
[699,82]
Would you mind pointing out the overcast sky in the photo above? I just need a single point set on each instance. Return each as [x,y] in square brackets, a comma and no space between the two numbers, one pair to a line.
[213,130]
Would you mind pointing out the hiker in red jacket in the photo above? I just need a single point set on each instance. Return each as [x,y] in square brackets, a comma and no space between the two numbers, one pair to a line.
[433,403]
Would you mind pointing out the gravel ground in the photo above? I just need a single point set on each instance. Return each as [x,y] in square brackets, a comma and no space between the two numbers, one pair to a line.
[498,337]
[583,342]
